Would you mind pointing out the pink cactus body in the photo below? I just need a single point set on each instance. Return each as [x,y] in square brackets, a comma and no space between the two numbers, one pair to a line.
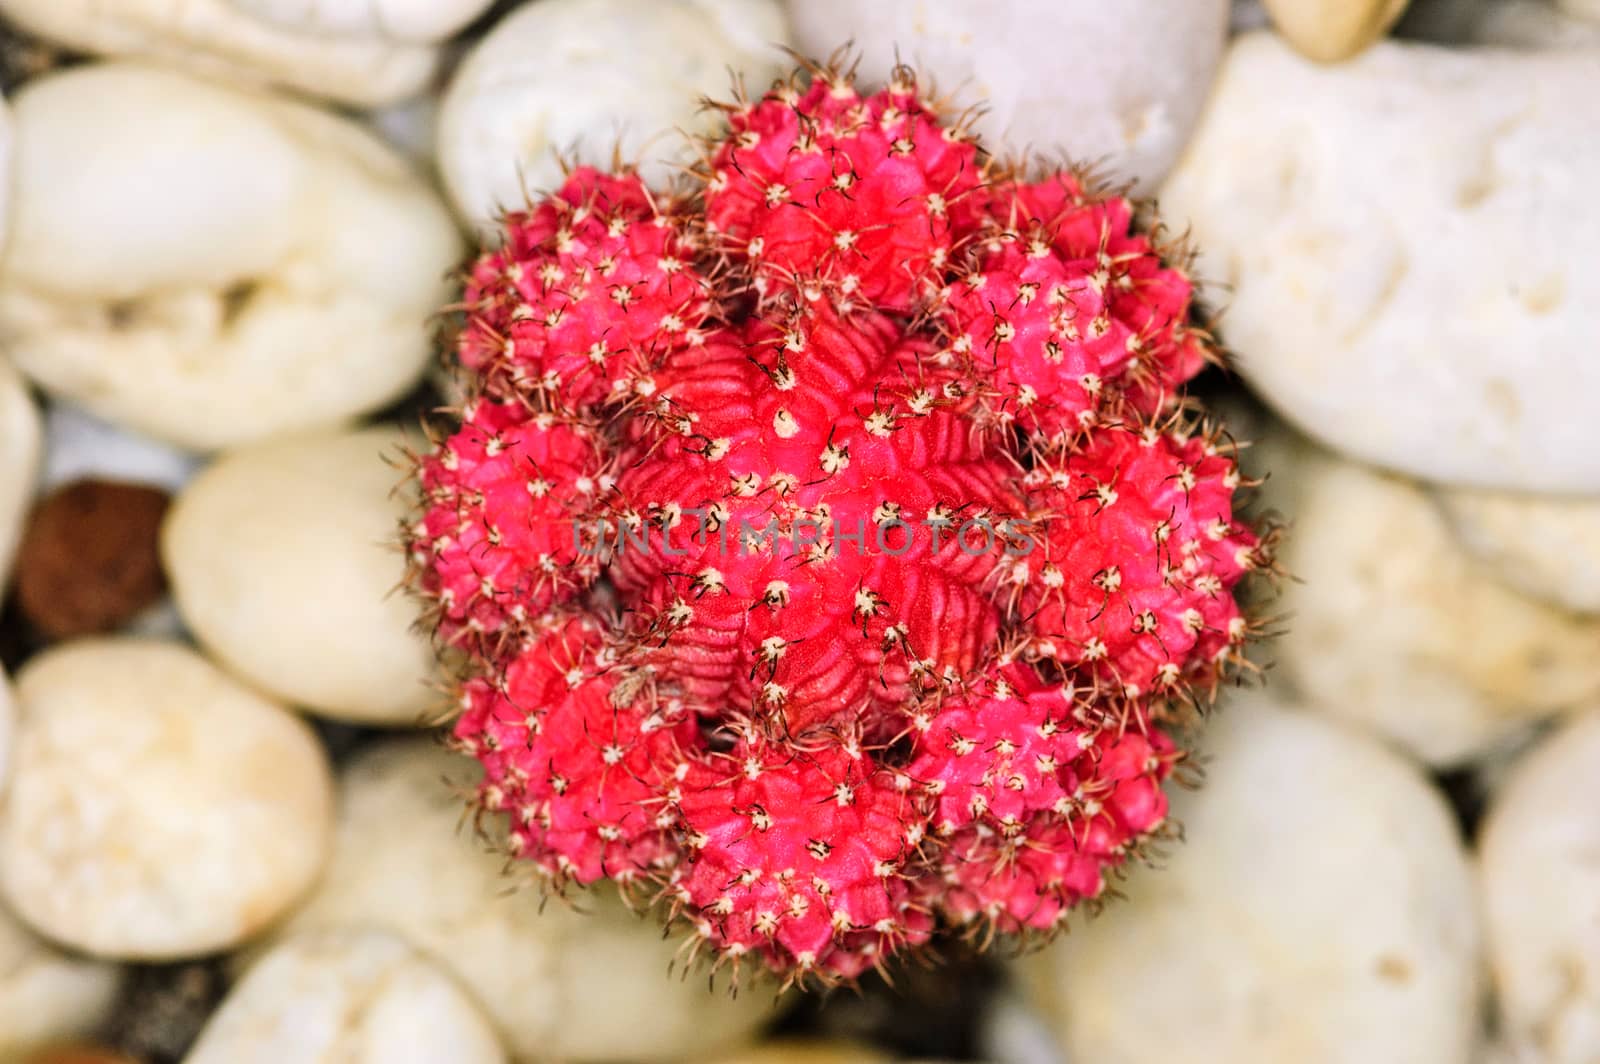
[590,283]
[826,540]
[495,545]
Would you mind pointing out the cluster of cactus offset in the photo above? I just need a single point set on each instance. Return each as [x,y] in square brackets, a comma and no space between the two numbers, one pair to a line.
[826,538]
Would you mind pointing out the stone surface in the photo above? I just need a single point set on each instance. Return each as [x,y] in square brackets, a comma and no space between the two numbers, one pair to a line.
[78,445]
[575,980]
[583,77]
[1589,9]
[157,809]
[1539,869]
[1547,547]
[387,20]
[5,170]
[8,724]
[1331,30]
[46,994]
[1337,205]
[285,563]
[20,445]
[1390,623]
[346,997]
[796,1051]
[220,39]
[210,265]
[1127,100]
[1535,24]
[88,561]
[1319,908]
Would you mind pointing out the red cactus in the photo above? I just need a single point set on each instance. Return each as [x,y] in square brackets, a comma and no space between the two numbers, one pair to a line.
[906,556]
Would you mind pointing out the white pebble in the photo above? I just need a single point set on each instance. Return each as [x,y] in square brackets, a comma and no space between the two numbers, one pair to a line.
[157,809]
[582,77]
[78,445]
[346,997]
[1331,30]
[576,980]
[219,38]
[1547,547]
[20,444]
[209,265]
[47,995]
[385,20]
[285,562]
[1126,100]
[1390,623]
[1540,880]
[1319,908]
[1405,241]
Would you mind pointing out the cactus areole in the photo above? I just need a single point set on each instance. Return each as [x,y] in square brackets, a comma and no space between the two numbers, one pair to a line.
[829,545]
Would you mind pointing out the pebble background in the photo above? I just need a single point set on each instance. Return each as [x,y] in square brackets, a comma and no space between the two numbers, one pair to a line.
[227,833]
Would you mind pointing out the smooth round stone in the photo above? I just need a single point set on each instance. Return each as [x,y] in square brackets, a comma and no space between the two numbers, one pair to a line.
[1319,908]
[218,38]
[1336,207]
[1390,623]
[157,809]
[1331,30]
[284,561]
[346,997]
[20,444]
[1547,547]
[45,994]
[576,980]
[588,78]
[386,20]
[1126,101]
[1540,884]
[209,265]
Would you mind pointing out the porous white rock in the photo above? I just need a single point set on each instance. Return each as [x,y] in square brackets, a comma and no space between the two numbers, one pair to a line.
[1540,881]
[210,265]
[580,979]
[221,39]
[584,77]
[1319,908]
[346,997]
[1405,241]
[285,562]
[1389,622]
[386,20]
[1331,30]
[20,444]
[78,445]
[46,994]
[157,809]
[1547,547]
[1126,101]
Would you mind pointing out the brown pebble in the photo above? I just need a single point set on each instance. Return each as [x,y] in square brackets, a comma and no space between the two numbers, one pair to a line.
[89,559]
